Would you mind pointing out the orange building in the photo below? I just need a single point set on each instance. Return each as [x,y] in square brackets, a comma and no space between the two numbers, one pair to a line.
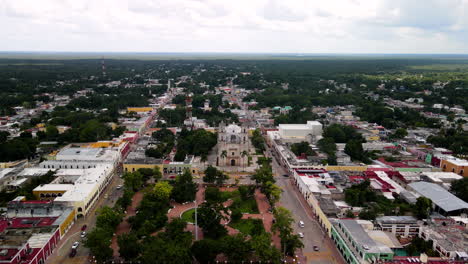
[458,166]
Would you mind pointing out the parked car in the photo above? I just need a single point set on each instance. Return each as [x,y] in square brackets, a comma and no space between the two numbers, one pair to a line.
[301,235]
[301,223]
[75,245]
[285,175]
[83,234]
[72,253]
[119,187]
[316,248]
[83,228]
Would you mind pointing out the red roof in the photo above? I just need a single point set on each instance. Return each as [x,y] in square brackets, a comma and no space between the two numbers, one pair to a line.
[355,178]
[11,252]
[396,164]
[25,222]
[36,202]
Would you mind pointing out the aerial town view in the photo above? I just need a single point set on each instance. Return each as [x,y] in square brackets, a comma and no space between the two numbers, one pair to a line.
[234,132]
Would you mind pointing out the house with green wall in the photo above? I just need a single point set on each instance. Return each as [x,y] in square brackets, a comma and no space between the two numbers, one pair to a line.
[355,244]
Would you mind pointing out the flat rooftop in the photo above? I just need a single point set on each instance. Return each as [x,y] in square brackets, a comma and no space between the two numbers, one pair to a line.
[90,152]
[394,219]
[293,126]
[439,196]
[27,222]
[361,237]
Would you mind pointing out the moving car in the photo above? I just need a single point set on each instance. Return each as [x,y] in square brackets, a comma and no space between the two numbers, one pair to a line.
[316,248]
[301,235]
[301,223]
[83,234]
[72,253]
[285,175]
[83,228]
[119,187]
[75,245]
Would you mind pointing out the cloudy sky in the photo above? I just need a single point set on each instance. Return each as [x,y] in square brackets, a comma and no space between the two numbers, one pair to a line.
[292,26]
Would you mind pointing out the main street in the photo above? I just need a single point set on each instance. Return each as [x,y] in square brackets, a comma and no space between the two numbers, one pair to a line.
[60,255]
[313,233]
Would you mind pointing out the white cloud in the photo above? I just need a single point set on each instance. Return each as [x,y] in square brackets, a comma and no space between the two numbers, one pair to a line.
[348,26]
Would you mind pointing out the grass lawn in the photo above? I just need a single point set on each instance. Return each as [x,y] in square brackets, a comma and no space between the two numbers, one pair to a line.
[246,206]
[229,195]
[189,215]
[248,226]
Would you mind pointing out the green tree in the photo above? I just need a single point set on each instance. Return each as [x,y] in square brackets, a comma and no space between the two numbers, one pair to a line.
[272,192]
[129,248]
[302,147]
[283,225]
[126,199]
[423,207]
[162,190]
[98,241]
[108,218]
[224,155]
[354,149]
[213,195]
[185,189]
[210,174]
[246,191]
[213,175]
[52,132]
[206,250]
[400,133]
[133,181]
[4,136]
[263,174]
[460,188]
[209,219]
[349,214]
[368,214]
[327,145]
[159,250]
[262,248]
[236,248]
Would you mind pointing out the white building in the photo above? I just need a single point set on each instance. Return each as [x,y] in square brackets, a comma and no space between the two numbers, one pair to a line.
[312,131]
[79,188]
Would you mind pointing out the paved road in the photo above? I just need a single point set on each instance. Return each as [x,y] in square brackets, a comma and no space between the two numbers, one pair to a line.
[60,253]
[313,234]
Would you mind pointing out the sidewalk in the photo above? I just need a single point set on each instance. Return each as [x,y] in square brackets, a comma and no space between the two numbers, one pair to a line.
[124,226]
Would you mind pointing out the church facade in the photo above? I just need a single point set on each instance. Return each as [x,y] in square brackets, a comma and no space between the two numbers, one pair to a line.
[233,146]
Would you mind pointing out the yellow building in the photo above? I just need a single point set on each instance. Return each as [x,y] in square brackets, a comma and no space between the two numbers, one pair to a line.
[139,109]
[372,138]
[9,164]
[67,222]
[134,166]
[346,168]
[51,191]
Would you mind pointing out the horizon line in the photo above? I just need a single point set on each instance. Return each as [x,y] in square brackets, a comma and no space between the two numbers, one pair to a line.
[229,52]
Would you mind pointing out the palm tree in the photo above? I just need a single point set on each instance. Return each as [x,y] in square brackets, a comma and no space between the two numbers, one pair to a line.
[224,155]
[243,154]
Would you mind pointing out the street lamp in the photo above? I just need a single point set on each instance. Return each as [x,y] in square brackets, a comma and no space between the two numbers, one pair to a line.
[196,220]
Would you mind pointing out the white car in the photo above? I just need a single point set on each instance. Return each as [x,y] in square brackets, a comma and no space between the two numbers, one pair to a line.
[119,187]
[301,224]
[83,234]
[301,235]
[75,245]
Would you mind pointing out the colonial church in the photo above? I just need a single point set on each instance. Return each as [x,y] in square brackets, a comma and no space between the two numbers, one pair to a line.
[233,145]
